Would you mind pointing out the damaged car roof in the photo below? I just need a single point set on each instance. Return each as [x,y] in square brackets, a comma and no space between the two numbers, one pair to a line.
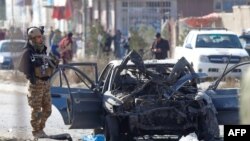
[164,61]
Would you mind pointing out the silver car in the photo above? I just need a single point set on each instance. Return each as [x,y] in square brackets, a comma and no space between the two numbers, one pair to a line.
[9,50]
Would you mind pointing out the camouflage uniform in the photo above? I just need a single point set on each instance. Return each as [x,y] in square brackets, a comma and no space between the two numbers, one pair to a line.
[38,71]
[40,102]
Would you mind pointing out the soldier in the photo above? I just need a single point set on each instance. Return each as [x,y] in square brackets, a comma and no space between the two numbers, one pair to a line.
[38,72]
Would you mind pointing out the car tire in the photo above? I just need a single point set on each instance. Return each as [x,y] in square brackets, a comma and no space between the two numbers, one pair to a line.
[111,129]
[208,127]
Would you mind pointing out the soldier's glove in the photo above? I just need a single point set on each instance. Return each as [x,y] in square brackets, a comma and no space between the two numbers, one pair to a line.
[54,60]
[31,79]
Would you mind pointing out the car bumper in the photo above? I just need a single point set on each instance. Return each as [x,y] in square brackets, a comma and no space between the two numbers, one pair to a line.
[216,70]
[6,65]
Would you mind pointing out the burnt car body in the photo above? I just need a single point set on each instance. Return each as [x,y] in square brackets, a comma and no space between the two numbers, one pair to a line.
[134,98]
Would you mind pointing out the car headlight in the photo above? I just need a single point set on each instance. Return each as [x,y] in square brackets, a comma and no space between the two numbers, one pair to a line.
[1,59]
[244,58]
[204,58]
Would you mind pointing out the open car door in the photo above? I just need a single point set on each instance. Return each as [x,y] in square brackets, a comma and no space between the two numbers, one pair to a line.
[226,100]
[72,92]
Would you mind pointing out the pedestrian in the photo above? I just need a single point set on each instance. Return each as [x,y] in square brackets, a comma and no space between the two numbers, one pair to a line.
[65,46]
[126,45]
[55,42]
[2,34]
[107,44]
[160,47]
[117,42]
[38,72]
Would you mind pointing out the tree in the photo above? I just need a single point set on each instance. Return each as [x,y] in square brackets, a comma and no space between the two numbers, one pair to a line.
[94,44]
[141,39]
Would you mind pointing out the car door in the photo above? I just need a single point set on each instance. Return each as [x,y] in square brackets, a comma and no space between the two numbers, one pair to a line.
[73,93]
[226,100]
[104,79]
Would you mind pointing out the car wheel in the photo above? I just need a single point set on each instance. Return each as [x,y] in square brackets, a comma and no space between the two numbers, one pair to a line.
[111,129]
[208,127]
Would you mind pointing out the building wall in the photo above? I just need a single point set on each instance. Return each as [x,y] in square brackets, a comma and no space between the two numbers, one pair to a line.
[238,20]
[227,5]
[134,13]
[188,8]
[124,17]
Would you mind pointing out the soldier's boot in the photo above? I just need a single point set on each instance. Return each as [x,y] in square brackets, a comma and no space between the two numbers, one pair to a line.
[40,134]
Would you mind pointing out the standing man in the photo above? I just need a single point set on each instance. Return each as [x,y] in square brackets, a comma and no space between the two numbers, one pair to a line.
[65,46]
[55,42]
[38,72]
[160,47]
[107,43]
[117,42]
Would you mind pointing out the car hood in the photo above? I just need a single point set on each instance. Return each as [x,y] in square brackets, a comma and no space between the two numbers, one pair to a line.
[221,51]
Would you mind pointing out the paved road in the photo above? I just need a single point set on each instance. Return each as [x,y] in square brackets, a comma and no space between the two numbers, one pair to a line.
[15,115]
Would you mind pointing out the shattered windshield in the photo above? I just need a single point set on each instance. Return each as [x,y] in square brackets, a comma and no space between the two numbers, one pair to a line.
[217,41]
[12,47]
[131,75]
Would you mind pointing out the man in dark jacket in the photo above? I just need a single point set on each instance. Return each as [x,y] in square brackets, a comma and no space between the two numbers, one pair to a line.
[37,71]
[160,47]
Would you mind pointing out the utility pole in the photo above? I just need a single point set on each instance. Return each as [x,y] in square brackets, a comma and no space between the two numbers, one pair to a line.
[12,12]
[84,16]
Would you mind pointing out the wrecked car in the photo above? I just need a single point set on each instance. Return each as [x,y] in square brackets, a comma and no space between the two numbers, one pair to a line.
[135,98]
[226,100]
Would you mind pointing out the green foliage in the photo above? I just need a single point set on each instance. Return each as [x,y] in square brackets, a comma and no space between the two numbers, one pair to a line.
[92,40]
[142,38]
[147,33]
[137,42]
[165,31]
[183,31]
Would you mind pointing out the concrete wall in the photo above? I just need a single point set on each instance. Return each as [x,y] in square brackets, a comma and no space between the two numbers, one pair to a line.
[238,20]
[244,99]
[187,8]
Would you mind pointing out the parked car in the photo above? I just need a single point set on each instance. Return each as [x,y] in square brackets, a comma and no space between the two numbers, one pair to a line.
[246,38]
[210,50]
[9,50]
[133,98]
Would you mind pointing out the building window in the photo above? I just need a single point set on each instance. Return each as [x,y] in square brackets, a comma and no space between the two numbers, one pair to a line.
[144,12]
[218,6]
[228,4]
[158,4]
[124,4]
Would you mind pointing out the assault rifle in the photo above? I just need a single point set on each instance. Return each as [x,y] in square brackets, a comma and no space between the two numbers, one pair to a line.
[47,59]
